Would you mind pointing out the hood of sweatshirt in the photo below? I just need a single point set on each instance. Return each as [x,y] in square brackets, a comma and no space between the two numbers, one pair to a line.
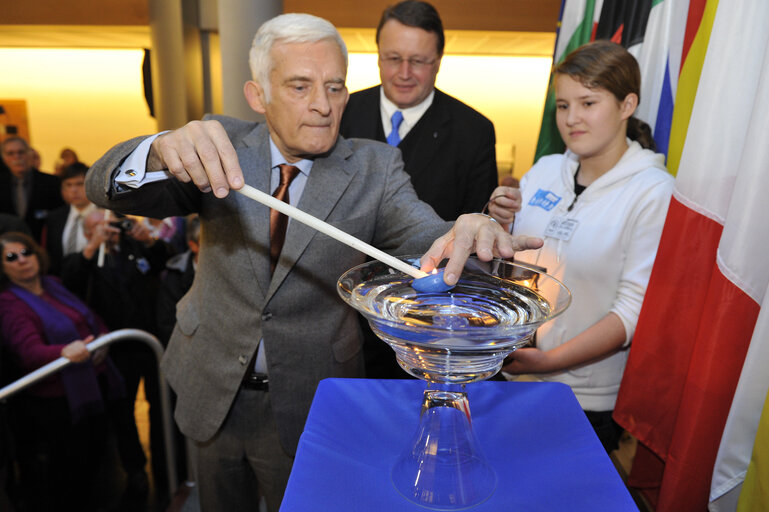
[635,159]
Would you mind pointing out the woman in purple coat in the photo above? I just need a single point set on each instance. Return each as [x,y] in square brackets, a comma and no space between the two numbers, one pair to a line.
[59,425]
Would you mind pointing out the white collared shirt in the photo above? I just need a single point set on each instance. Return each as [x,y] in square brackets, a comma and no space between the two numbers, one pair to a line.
[133,172]
[411,115]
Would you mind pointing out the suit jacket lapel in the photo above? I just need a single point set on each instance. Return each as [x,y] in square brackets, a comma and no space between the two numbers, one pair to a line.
[329,178]
[376,115]
[255,162]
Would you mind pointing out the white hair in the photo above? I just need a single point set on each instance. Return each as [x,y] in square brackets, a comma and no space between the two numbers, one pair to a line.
[287,28]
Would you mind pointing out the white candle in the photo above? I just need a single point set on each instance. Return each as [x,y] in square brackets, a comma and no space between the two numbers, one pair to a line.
[330,230]
[102,246]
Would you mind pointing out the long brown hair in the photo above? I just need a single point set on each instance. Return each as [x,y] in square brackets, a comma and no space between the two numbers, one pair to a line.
[605,65]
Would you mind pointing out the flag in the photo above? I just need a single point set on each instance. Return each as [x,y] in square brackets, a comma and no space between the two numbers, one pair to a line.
[710,277]
[651,30]
[575,28]
[742,423]
[659,57]
[755,491]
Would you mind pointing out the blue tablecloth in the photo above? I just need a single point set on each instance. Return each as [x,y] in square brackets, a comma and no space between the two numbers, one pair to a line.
[534,435]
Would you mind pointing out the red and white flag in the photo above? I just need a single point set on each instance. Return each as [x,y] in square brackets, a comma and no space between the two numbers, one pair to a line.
[711,275]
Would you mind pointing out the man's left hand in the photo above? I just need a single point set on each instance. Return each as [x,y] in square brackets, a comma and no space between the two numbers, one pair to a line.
[476,233]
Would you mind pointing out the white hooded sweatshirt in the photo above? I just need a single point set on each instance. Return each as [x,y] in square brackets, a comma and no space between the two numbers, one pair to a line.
[603,250]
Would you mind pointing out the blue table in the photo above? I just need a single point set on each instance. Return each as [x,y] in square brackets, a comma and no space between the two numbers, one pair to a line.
[534,435]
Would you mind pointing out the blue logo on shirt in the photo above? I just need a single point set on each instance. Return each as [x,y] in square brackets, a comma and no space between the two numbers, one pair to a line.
[545,199]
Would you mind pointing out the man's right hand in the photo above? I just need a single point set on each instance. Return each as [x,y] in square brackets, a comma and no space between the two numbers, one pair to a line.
[200,152]
[100,233]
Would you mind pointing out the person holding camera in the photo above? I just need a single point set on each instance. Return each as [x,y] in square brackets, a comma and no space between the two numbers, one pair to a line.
[122,292]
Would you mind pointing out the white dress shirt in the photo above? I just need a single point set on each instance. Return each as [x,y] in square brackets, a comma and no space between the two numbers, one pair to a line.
[411,115]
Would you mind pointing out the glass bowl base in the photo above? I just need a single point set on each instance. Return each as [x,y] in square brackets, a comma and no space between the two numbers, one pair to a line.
[444,468]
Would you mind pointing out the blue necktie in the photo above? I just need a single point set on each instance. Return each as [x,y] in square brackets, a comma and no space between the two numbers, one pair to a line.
[394,139]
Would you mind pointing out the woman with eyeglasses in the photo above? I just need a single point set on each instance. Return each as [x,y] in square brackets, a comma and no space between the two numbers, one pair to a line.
[59,425]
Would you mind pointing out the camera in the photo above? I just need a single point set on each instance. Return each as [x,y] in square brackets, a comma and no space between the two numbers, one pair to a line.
[122,224]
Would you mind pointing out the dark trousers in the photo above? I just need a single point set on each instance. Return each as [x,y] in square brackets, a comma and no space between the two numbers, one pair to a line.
[136,361]
[59,463]
[244,459]
[607,430]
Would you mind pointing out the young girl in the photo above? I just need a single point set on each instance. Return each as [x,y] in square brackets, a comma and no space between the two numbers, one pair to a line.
[600,207]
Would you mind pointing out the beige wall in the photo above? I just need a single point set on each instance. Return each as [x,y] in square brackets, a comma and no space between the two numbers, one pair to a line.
[87,99]
[91,99]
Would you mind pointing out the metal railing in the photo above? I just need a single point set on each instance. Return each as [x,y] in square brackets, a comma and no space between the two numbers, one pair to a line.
[102,341]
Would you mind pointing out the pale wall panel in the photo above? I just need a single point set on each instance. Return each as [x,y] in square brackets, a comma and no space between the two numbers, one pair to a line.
[87,99]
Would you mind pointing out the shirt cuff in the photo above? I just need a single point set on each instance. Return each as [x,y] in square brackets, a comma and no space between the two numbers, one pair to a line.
[133,172]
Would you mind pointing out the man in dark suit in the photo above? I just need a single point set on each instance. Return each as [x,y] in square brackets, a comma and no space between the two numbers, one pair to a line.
[25,191]
[63,233]
[448,148]
[251,344]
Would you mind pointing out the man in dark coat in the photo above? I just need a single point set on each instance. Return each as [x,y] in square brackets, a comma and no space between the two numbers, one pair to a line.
[25,191]
[447,147]
[63,233]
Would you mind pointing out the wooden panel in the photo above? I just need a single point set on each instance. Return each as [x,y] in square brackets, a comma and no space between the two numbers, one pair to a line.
[507,15]
[77,12]
[13,119]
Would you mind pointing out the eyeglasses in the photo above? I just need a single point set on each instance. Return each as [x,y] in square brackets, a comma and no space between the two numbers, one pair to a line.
[14,152]
[416,63]
[10,257]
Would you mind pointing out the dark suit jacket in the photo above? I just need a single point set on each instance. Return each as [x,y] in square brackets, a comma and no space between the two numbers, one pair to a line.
[54,229]
[449,153]
[45,195]
[123,291]
[10,222]
[309,332]
[175,281]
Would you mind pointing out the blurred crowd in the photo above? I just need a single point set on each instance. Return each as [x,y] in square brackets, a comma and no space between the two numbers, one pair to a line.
[70,272]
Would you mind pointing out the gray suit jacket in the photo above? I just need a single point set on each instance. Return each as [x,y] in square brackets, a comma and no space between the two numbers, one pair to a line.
[309,333]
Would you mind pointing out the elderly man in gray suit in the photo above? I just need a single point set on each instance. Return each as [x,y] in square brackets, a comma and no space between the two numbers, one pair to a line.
[241,324]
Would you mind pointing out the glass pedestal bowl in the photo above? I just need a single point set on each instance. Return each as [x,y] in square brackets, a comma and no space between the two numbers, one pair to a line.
[450,339]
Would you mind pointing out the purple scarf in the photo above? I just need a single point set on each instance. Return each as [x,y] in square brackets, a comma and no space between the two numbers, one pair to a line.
[80,382]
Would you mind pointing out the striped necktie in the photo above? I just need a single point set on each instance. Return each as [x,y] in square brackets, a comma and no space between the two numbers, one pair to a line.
[279,221]
[70,245]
